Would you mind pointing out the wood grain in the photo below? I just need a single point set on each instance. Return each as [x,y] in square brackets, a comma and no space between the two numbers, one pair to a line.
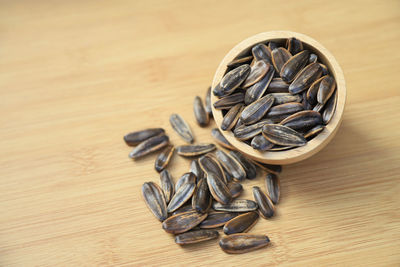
[75,76]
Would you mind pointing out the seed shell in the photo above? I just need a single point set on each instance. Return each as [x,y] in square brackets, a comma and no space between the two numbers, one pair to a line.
[257,72]
[283,135]
[282,98]
[231,165]
[135,138]
[294,45]
[148,146]
[230,119]
[314,131]
[184,208]
[302,120]
[326,89]
[313,58]
[232,80]
[208,102]
[163,158]
[280,112]
[217,219]
[318,107]
[237,205]
[330,108]
[183,222]
[305,78]
[259,142]
[183,194]
[245,132]
[257,90]
[196,236]
[239,61]
[167,185]
[277,85]
[155,200]
[209,164]
[242,243]
[241,223]
[294,65]
[200,112]
[313,91]
[201,200]
[275,169]
[248,166]
[181,128]
[185,178]
[218,189]
[265,205]
[196,170]
[273,185]
[194,150]
[256,110]
[220,139]
[262,52]
[279,57]
[229,101]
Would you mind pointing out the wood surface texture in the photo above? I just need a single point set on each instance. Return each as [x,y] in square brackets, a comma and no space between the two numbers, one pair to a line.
[75,76]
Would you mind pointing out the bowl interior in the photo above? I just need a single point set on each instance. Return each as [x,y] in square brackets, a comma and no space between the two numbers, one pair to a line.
[318,142]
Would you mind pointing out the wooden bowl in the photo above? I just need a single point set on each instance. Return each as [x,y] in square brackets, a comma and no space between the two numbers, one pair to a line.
[318,142]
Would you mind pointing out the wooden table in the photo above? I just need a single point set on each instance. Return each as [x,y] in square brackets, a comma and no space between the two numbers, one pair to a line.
[75,76]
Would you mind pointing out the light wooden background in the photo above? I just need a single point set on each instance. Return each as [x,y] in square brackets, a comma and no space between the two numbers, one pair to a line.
[75,76]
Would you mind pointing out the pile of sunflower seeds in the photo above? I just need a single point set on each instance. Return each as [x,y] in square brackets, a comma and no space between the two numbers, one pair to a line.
[276,96]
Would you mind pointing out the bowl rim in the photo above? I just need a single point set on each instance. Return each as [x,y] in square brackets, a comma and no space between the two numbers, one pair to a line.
[318,142]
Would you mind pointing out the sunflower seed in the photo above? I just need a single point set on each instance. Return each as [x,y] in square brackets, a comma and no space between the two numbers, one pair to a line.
[217,219]
[241,223]
[275,169]
[262,52]
[218,189]
[256,110]
[265,205]
[283,135]
[257,90]
[245,132]
[326,89]
[279,57]
[282,98]
[208,102]
[235,189]
[260,143]
[277,85]
[313,58]
[325,70]
[273,187]
[329,108]
[220,139]
[232,80]
[210,164]
[134,138]
[305,78]
[237,205]
[194,150]
[183,222]
[294,65]
[302,120]
[200,112]
[184,208]
[164,158]
[314,131]
[185,178]
[167,185]
[231,165]
[148,146]
[239,61]
[272,45]
[257,72]
[229,101]
[242,243]
[230,119]
[294,45]
[196,170]
[248,166]
[313,91]
[181,128]
[201,200]
[183,194]
[196,236]
[280,112]
[306,104]
[155,200]
[318,107]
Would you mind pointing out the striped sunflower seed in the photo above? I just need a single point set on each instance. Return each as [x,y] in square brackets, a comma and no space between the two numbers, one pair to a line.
[236,205]
[196,170]
[229,101]
[231,165]
[241,223]
[235,189]
[200,112]
[277,85]
[242,243]
[185,178]
[167,185]
[232,80]
[318,107]
[194,150]
[314,131]
[282,98]
[209,164]
[325,70]
[262,52]
[282,111]
[148,146]
[218,189]
[181,128]
[248,166]
[196,236]
[305,78]
[265,205]
[294,45]
[183,194]
[275,169]
[283,135]
[257,90]
[313,58]
[273,185]
[201,200]
[230,119]
[294,65]
[183,222]
[302,120]
[279,57]
[259,142]
[256,110]
[220,139]
[273,45]
[239,61]
[313,91]
[135,138]
[163,158]
[330,108]
[208,102]
[326,89]
[217,219]
[257,72]
[245,132]
[184,208]
[155,200]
